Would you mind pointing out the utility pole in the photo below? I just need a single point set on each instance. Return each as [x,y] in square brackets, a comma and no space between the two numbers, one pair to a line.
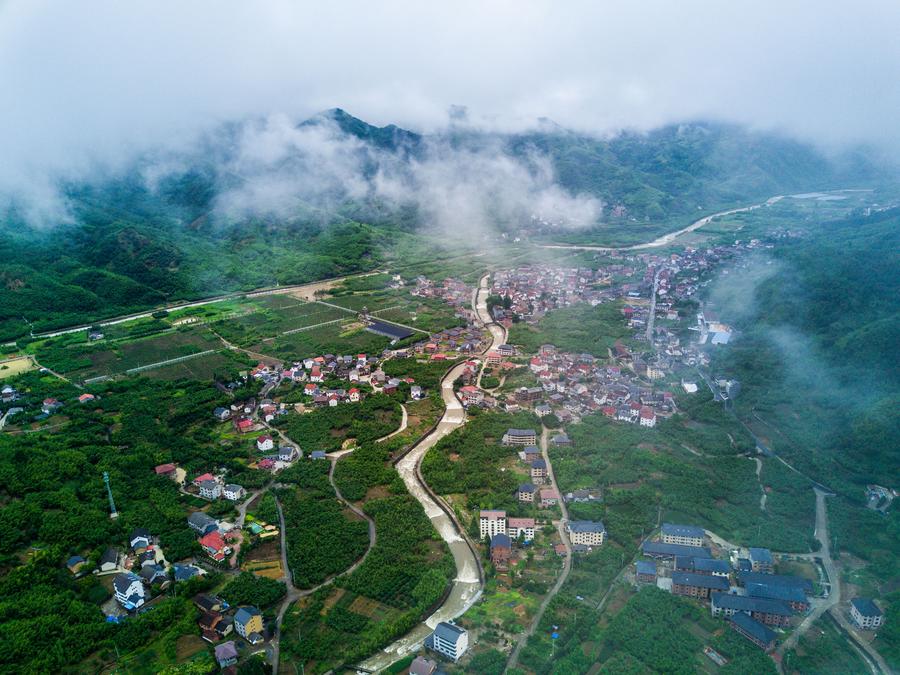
[112,504]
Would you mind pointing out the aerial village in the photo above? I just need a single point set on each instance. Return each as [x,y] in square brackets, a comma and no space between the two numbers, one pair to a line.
[739,585]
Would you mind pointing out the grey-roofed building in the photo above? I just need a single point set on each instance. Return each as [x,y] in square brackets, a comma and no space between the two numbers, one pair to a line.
[520,437]
[226,654]
[685,535]
[140,538]
[185,572]
[769,612]
[448,639]
[109,560]
[761,560]
[866,614]
[697,585]
[587,532]
[526,492]
[561,439]
[153,573]
[657,549]
[202,523]
[129,590]
[422,666]
[388,330]
[754,631]
[699,565]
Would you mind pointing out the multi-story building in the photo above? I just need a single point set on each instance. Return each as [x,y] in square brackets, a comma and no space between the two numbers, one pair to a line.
[768,612]
[761,560]
[587,532]
[129,590]
[520,437]
[753,630]
[249,624]
[539,472]
[697,585]
[645,571]
[233,492]
[526,492]
[491,523]
[501,550]
[521,528]
[683,535]
[549,497]
[448,639]
[866,613]
[210,489]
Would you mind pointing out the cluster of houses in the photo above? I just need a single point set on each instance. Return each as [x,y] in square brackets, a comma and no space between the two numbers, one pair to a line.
[571,386]
[745,590]
[218,620]
[213,487]
[501,532]
[211,535]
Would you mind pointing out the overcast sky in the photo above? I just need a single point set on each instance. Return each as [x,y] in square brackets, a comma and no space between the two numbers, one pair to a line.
[92,82]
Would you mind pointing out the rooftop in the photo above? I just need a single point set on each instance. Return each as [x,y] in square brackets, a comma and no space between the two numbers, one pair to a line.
[866,607]
[753,627]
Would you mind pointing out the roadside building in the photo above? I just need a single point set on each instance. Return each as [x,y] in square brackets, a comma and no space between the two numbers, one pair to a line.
[449,640]
[549,497]
[521,528]
[866,614]
[587,532]
[520,437]
[526,492]
[249,624]
[539,472]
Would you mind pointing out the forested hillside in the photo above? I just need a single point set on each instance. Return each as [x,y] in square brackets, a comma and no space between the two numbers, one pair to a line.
[150,236]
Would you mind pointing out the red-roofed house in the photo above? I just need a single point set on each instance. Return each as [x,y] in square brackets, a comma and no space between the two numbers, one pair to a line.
[203,477]
[167,470]
[264,443]
[648,417]
[86,398]
[354,395]
[244,425]
[214,545]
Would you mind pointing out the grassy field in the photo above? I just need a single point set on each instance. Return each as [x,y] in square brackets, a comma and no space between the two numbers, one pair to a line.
[14,367]
[823,649]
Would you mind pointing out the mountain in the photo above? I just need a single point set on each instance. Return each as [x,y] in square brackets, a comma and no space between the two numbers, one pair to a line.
[204,228]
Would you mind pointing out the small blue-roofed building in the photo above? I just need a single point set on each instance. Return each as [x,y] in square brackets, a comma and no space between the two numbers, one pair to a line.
[184,572]
[761,560]
[645,571]
[866,614]
[318,454]
[754,631]
[75,563]
[526,492]
[685,535]
[449,640]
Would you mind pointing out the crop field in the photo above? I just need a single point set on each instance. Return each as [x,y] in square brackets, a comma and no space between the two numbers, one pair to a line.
[14,367]
[201,368]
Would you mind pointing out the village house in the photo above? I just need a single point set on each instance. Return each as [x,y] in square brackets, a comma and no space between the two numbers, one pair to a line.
[201,523]
[449,640]
[501,550]
[214,546]
[531,453]
[422,666]
[539,472]
[521,528]
[520,437]
[645,571]
[226,654]
[249,624]
[491,523]
[698,565]
[167,470]
[866,614]
[683,535]
[129,590]
[647,417]
[210,489]
[526,492]
[586,532]
[761,560]
[753,630]
[233,492]
[140,539]
[549,497]
[265,443]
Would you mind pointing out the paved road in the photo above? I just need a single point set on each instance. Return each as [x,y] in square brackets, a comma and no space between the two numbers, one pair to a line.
[652,318]
[404,421]
[672,236]
[567,564]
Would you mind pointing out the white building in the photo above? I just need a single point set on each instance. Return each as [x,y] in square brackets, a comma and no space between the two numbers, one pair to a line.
[866,613]
[684,535]
[648,417]
[491,523]
[448,639]
[264,443]
[523,527]
[129,590]
[587,532]
[210,489]
[233,492]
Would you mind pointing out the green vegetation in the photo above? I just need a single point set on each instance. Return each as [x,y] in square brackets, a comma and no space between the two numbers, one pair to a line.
[823,649]
[328,428]
[249,589]
[578,328]
[322,540]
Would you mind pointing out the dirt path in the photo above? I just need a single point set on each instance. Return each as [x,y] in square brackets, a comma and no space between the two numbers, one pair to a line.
[403,423]
[567,565]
